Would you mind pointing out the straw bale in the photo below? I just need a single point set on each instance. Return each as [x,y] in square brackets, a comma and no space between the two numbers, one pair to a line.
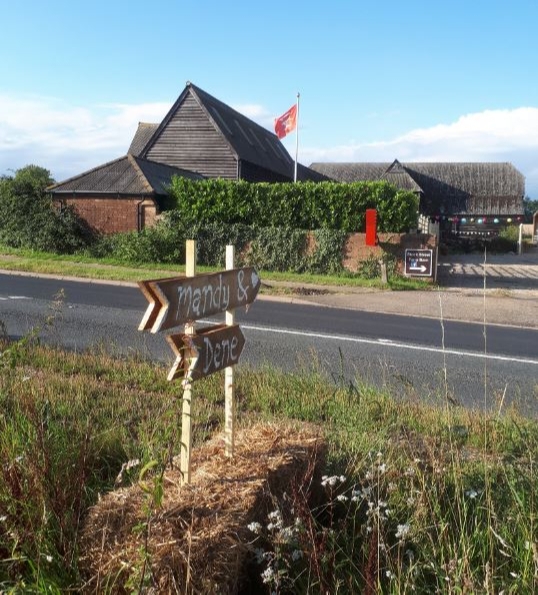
[198,540]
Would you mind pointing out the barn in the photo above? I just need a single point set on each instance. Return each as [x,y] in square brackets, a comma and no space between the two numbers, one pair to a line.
[200,137]
[466,200]
[122,195]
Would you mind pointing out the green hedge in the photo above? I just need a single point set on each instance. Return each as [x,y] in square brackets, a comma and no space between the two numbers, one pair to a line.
[305,205]
[267,248]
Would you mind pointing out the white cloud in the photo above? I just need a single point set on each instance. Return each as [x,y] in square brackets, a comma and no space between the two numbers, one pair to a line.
[67,139]
[70,139]
[492,135]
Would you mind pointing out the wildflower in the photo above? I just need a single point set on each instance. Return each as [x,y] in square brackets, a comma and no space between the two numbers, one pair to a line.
[255,527]
[382,468]
[274,515]
[3,519]
[268,575]
[48,558]
[332,481]
[260,554]
[342,498]
[296,555]
[471,494]
[389,574]
[402,531]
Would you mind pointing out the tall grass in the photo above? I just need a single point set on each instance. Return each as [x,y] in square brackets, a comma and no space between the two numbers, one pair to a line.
[418,498]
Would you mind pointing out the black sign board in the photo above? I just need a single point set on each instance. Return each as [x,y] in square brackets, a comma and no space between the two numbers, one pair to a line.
[418,263]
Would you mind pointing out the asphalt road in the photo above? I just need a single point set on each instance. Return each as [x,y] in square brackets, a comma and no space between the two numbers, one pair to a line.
[411,357]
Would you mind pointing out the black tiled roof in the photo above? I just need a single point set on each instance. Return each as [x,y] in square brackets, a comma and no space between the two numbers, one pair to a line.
[247,139]
[448,187]
[126,175]
[142,135]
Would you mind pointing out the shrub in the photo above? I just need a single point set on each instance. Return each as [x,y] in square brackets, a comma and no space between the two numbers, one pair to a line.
[28,218]
[303,205]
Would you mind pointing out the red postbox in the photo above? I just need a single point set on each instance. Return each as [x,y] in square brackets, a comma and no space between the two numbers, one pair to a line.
[371,227]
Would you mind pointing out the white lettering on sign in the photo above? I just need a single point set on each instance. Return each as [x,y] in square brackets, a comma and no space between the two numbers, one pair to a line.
[219,354]
[242,294]
[194,303]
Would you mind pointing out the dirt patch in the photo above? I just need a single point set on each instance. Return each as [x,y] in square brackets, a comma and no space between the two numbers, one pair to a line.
[197,541]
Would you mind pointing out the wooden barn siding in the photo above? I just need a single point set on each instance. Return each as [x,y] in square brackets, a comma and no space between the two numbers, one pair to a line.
[112,215]
[191,142]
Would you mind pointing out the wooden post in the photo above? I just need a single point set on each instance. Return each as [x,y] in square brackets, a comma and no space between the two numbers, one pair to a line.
[186,419]
[383,267]
[229,388]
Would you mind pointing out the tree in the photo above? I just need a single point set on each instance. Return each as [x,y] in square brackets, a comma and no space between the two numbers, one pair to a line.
[531,207]
[28,218]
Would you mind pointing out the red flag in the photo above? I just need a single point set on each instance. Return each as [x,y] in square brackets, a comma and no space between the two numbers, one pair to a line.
[286,123]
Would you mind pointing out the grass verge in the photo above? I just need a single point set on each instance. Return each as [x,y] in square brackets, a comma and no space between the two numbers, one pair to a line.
[417,498]
[14,259]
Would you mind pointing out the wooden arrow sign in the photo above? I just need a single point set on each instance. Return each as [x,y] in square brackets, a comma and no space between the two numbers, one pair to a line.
[178,300]
[210,350]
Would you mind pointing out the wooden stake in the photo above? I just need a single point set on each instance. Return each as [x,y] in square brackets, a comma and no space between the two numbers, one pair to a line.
[229,388]
[186,418]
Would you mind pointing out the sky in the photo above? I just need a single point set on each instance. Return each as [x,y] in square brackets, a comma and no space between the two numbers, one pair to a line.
[415,81]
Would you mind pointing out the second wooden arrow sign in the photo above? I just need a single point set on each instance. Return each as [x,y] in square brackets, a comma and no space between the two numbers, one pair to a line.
[211,349]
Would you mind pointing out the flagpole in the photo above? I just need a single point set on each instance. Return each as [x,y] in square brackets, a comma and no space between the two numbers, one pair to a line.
[296,140]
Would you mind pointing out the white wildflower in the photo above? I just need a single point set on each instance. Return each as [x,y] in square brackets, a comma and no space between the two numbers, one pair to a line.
[268,575]
[255,527]
[382,468]
[403,531]
[276,515]
[342,498]
[471,493]
[3,519]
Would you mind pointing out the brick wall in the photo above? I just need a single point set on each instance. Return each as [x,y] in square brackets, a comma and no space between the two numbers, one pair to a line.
[113,215]
[356,250]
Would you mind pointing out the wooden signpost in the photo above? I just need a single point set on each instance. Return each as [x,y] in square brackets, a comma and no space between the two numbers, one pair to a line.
[177,301]
[210,350]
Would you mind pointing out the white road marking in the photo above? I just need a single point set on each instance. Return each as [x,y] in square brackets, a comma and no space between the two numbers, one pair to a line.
[388,343]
